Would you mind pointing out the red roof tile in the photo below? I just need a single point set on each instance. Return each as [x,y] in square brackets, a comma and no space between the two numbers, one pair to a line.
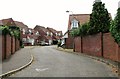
[39,28]
[48,37]
[8,22]
[52,30]
[21,25]
[82,18]
[1,22]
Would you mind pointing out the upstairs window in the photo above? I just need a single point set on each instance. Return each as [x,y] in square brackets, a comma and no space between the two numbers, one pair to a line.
[51,34]
[74,23]
[37,33]
[59,34]
[56,34]
[30,31]
[47,33]
[23,31]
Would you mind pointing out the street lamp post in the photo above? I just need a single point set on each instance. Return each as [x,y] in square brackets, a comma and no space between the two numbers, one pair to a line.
[73,27]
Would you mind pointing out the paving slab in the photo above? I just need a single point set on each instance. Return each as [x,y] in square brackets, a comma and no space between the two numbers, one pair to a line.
[17,60]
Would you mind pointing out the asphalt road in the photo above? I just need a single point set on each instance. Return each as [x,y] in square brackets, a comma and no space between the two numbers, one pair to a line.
[49,62]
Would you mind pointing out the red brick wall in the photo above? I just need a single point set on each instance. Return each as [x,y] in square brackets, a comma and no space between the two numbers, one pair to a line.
[77,43]
[17,44]
[8,46]
[92,44]
[2,48]
[69,43]
[110,47]
[119,54]
[13,44]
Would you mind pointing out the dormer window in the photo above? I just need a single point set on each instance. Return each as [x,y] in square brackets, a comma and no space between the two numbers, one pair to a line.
[23,31]
[51,34]
[59,34]
[56,34]
[37,33]
[74,23]
[47,33]
[30,31]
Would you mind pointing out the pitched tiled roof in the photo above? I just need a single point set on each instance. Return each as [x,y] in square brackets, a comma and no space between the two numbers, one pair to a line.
[48,37]
[21,25]
[52,30]
[1,22]
[56,37]
[8,22]
[39,28]
[81,18]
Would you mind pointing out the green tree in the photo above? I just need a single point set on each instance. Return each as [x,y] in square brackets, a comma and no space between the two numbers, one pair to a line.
[99,19]
[115,27]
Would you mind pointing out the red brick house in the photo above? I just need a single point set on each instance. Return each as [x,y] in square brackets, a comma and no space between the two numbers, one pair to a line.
[56,35]
[33,36]
[22,26]
[29,36]
[24,31]
[46,35]
[75,20]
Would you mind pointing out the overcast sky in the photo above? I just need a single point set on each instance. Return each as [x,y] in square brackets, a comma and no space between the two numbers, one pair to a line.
[49,13]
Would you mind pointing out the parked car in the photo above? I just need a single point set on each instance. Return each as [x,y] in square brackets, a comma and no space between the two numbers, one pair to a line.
[44,44]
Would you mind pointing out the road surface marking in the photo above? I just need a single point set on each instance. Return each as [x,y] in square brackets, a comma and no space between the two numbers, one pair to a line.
[41,69]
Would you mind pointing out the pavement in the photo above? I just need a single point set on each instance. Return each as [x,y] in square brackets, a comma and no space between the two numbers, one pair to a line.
[21,59]
[115,65]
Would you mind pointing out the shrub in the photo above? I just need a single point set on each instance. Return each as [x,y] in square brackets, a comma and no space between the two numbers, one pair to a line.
[83,30]
[74,32]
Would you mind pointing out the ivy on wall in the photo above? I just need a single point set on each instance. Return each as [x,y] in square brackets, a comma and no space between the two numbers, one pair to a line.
[13,31]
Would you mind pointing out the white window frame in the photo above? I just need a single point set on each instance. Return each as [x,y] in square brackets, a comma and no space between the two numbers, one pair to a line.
[47,33]
[74,23]
[23,31]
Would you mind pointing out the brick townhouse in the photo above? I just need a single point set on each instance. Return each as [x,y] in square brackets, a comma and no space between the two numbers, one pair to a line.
[75,20]
[56,35]
[33,36]
[29,36]
[46,35]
